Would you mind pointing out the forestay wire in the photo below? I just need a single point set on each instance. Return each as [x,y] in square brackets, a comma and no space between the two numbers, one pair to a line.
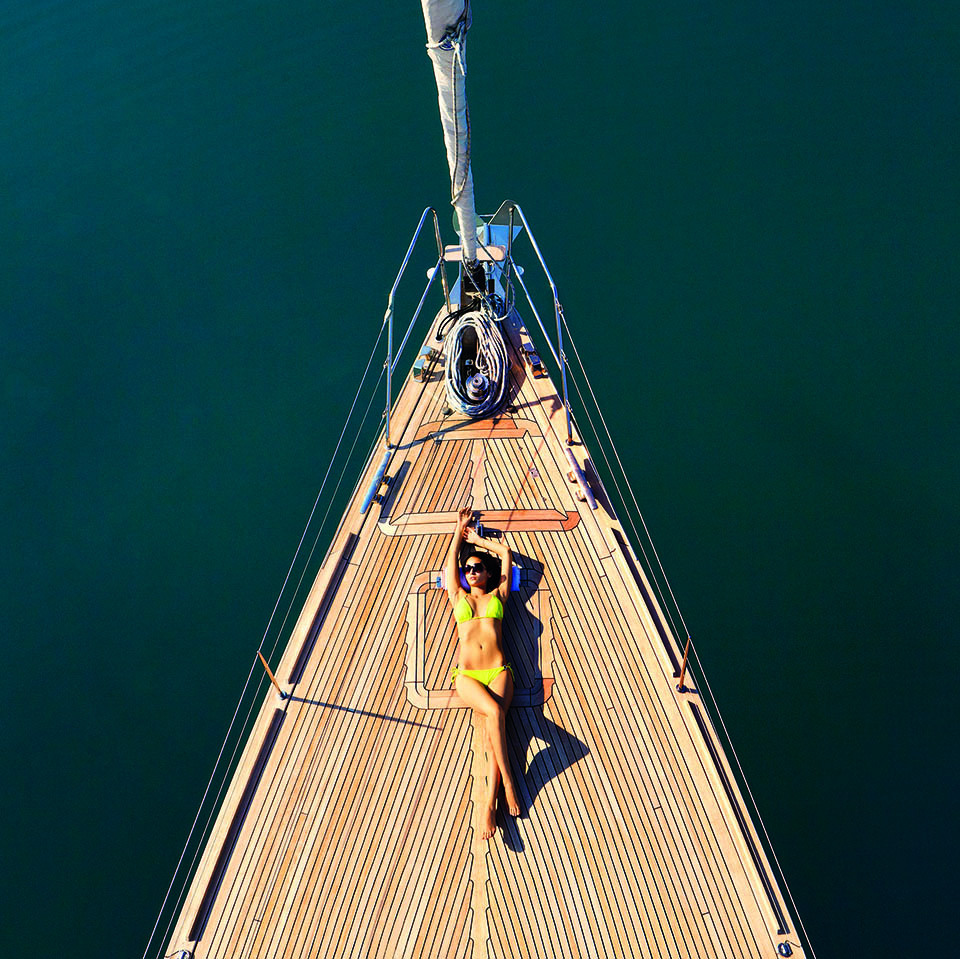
[667,606]
[255,661]
[674,604]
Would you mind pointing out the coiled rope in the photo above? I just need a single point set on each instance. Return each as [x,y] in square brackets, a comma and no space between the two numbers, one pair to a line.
[477,384]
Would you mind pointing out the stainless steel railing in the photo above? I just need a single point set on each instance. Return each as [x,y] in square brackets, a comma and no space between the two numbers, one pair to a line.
[388,315]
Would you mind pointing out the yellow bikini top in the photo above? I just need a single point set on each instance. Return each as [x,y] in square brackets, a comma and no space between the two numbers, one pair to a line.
[463,611]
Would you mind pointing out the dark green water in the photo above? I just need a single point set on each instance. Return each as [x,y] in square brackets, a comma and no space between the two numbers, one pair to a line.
[751,212]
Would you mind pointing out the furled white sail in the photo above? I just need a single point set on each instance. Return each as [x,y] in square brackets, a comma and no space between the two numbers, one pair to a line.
[447,22]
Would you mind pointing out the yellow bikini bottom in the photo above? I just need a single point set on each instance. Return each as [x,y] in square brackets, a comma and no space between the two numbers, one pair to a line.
[484,676]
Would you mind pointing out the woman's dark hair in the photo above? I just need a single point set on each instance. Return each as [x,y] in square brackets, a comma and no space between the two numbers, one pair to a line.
[490,563]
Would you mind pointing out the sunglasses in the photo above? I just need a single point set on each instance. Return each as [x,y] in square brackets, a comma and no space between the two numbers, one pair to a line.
[473,567]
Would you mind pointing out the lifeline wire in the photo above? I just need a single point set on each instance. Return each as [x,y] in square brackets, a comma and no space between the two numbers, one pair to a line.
[613,476]
[753,802]
[332,499]
[246,721]
[664,605]
[623,472]
[253,666]
[679,612]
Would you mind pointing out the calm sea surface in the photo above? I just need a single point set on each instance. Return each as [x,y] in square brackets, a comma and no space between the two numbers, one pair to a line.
[752,215]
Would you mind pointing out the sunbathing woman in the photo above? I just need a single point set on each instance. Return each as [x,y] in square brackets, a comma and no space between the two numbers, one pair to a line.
[482,679]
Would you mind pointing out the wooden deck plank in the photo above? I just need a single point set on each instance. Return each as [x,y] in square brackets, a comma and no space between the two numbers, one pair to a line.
[608,626]
[659,768]
[624,827]
[570,815]
[376,748]
[308,765]
[612,627]
[303,767]
[293,789]
[672,758]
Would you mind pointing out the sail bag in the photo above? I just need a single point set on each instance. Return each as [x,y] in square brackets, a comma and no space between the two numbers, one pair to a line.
[447,22]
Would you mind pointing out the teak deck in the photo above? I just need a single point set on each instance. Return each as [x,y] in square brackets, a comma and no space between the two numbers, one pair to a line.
[350,827]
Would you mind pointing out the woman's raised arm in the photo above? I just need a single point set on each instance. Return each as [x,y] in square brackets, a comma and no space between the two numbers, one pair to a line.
[451,568]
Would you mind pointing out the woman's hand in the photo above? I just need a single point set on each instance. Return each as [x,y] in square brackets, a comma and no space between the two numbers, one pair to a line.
[471,536]
[463,518]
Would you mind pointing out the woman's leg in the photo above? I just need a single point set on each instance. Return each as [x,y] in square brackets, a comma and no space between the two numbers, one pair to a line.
[492,702]
[501,688]
[489,814]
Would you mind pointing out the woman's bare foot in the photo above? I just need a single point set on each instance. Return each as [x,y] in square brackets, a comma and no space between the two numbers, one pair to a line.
[488,822]
[513,804]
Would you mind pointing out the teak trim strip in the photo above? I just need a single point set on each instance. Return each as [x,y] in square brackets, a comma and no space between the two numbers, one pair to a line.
[651,608]
[505,520]
[243,807]
[748,838]
[296,674]
[497,429]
